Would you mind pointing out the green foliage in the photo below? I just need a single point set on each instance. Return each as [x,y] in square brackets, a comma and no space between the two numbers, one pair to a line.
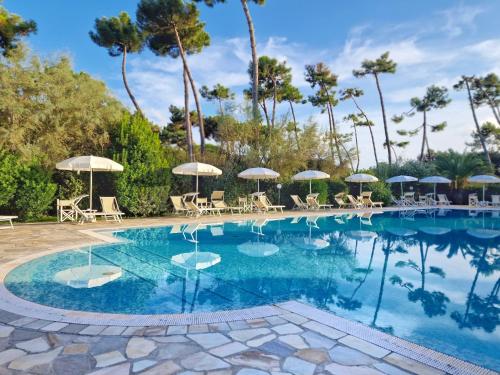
[458,166]
[381,192]
[9,174]
[12,28]
[70,185]
[35,192]
[491,136]
[144,185]
[381,65]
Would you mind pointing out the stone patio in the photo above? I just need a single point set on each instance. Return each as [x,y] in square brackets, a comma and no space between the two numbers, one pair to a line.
[294,339]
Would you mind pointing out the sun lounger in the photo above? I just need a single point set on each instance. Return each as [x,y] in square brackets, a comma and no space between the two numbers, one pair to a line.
[354,202]
[339,199]
[179,207]
[443,200]
[298,204]
[224,207]
[313,204]
[217,195]
[495,200]
[264,205]
[194,210]
[9,219]
[473,200]
[397,202]
[366,196]
[430,199]
[110,209]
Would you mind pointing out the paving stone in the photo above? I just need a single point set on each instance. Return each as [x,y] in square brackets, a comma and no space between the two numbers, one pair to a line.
[92,330]
[73,328]
[167,339]
[261,340]
[31,360]
[143,365]
[75,365]
[257,323]
[198,328]
[218,327]
[177,330]
[177,350]
[23,335]
[34,346]
[277,348]
[202,362]
[155,331]
[74,349]
[192,373]
[239,324]
[389,370]
[251,371]
[411,365]
[336,369]
[209,340]
[22,321]
[133,331]
[295,318]
[286,329]
[10,354]
[228,349]
[123,369]
[350,357]
[248,334]
[255,359]
[295,341]
[324,330]
[139,347]
[7,317]
[316,356]
[54,327]
[109,358]
[165,368]
[364,346]
[5,331]
[275,320]
[219,372]
[315,340]
[298,366]
[113,331]
[37,324]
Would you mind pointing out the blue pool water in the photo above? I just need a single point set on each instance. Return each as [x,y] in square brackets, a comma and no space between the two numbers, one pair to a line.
[431,277]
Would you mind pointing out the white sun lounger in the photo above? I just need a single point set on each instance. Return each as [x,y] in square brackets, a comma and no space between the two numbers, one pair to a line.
[9,219]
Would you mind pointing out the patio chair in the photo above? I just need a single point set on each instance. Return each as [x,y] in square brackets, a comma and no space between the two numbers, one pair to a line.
[9,219]
[65,210]
[397,202]
[244,205]
[179,207]
[312,203]
[473,200]
[298,204]
[443,200]
[495,200]
[430,199]
[264,205]
[354,202]
[409,199]
[110,209]
[367,200]
[339,199]
[194,210]
[217,195]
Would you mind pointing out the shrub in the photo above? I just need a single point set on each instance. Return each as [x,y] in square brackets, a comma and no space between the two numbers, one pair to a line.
[35,192]
[335,185]
[144,185]
[381,192]
[9,174]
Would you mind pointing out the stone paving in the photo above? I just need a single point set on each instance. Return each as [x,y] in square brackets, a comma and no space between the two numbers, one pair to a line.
[287,343]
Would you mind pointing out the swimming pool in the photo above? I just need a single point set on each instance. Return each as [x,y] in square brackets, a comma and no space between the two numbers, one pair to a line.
[431,277]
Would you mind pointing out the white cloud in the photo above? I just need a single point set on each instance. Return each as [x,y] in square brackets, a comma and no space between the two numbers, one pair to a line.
[460,19]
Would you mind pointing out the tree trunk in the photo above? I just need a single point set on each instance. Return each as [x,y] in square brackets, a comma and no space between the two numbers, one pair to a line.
[266,115]
[357,148]
[273,118]
[424,136]
[187,118]
[193,89]
[369,127]
[495,110]
[125,82]
[386,129]
[332,137]
[294,125]
[333,126]
[478,129]
[220,107]
[255,61]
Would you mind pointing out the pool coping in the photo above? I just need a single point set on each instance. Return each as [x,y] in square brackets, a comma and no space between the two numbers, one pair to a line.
[13,304]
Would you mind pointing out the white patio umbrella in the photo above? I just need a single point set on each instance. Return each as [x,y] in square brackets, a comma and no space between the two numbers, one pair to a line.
[484,179]
[360,178]
[435,180]
[310,175]
[258,174]
[196,169]
[89,164]
[401,179]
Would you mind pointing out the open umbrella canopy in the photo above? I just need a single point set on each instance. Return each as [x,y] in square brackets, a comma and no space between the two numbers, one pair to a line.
[310,175]
[401,179]
[258,174]
[196,169]
[435,180]
[89,164]
[360,178]
[484,179]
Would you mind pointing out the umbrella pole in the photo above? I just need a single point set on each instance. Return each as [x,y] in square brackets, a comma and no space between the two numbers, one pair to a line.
[90,193]
[360,188]
[435,192]
[197,182]
[310,187]
[401,190]
[258,186]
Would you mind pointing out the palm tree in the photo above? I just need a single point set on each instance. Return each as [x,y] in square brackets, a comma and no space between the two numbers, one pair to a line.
[376,67]
[253,46]
[173,28]
[120,36]
[458,166]
[465,83]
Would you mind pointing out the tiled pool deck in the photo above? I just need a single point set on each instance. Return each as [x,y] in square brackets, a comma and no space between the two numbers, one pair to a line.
[289,338]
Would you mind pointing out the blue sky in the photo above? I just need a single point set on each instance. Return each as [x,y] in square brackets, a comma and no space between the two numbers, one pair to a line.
[434,42]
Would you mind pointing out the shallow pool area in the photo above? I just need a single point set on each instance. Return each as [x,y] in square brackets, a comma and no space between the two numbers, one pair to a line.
[429,276]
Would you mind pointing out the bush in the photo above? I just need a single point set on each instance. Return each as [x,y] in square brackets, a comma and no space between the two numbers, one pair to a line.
[335,185]
[35,193]
[144,185]
[381,192]
[9,174]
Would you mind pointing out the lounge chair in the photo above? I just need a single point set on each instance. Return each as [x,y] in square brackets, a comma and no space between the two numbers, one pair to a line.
[443,200]
[339,199]
[224,207]
[430,199]
[409,199]
[179,207]
[397,202]
[194,210]
[473,200]
[298,204]
[495,200]
[264,205]
[9,219]
[110,209]
[65,209]
[354,202]
[217,195]
[312,203]
[367,200]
